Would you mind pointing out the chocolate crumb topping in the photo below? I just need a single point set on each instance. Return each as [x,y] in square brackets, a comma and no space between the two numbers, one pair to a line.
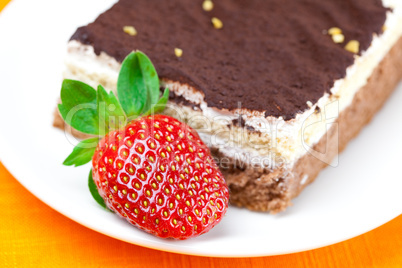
[241,123]
[182,101]
[269,55]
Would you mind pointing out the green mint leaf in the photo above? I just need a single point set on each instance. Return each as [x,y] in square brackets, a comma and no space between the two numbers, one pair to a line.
[82,153]
[137,84]
[110,112]
[151,80]
[160,105]
[94,191]
[78,106]
[131,89]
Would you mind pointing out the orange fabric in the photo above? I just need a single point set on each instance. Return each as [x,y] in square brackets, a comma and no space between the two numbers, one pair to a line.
[34,235]
[3,3]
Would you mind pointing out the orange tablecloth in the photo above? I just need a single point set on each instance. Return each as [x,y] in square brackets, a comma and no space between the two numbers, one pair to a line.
[34,235]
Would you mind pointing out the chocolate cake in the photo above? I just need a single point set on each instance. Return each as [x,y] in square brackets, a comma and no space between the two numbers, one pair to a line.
[259,79]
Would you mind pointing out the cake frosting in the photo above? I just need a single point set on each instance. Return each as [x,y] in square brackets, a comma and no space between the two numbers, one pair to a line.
[257,52]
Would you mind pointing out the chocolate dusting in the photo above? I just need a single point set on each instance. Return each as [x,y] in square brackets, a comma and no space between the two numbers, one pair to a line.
[271,56]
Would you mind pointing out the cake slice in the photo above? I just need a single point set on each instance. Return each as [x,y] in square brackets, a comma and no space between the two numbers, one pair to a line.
[276,91]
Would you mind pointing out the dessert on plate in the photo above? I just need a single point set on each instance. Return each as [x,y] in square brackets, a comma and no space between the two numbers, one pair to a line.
[275,90]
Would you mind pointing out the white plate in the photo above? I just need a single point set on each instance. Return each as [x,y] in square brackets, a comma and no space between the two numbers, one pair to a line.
[362,193]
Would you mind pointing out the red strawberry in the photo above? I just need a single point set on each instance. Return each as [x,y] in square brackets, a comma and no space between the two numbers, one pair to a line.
[157,174]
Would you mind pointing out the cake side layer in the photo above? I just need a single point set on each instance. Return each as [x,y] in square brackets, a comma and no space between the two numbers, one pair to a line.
[258,50]
[263,190]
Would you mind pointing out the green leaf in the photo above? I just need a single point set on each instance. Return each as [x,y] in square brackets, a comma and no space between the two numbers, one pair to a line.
[160,105]
[82,153]
[151,80]
[110,112]
[138,84]
[94,191]
[78,107]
